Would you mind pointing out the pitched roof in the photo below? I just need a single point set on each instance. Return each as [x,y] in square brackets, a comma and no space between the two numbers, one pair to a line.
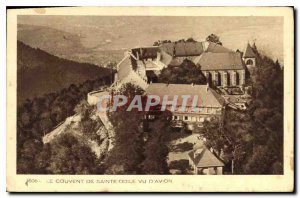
[150,65]
[124,67]
[182,48]
[206,97]
[202,157]
[249,52]
[219,61]
[216,48]
[165,58]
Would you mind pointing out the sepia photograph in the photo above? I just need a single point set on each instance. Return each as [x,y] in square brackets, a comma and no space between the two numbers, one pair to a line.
[145,96]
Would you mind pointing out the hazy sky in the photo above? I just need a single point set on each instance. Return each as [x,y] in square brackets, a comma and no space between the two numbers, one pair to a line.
[128,31]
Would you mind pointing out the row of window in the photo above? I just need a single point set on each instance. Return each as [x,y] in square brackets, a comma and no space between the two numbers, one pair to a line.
[199,109]
[191,118]
[225,78]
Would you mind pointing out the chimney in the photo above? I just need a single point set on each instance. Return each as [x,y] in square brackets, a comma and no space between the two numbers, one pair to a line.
[137,55]
[207,87]
[141,53]
[174,50]
[158,56]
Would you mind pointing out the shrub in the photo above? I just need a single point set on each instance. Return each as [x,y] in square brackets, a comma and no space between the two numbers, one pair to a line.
[186,146]
[182,165]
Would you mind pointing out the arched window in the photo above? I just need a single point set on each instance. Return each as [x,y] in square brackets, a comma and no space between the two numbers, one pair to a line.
[249,62]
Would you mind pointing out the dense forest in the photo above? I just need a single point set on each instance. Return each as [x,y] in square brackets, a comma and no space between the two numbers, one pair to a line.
[49,88]
[39,72]
[39,116]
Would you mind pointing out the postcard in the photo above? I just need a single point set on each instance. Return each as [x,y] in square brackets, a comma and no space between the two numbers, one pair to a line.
[150,99]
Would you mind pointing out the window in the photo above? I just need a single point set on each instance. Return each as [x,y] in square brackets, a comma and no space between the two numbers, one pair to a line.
[186,117]
[237,78]
[209,110]
[197,109]
[151,117]
[225,79]
[175,117]
[249,62]
[201,119]
[194,119]
[215,171]
[216,78]
[187,109]
[234,78]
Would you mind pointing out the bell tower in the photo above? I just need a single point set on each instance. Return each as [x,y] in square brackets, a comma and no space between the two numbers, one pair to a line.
[249,57]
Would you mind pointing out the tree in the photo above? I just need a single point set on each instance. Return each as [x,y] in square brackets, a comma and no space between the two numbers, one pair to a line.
[41,160]
[159,42]
[186,73]
[156,150]
[214,38]
[38,116]
[69,156]
[229,137]
[266,111]
[45,126]
[190,40]
[127,153]
[26,156]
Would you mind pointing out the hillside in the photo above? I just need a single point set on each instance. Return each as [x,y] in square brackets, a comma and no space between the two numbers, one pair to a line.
[40,72]
[67,45]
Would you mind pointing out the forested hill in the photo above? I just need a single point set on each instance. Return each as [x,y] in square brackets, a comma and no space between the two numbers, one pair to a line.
[40,72]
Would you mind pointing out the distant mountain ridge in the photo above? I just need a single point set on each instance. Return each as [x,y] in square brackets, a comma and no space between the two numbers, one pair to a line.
[66,45]
[39,72]
[56,42]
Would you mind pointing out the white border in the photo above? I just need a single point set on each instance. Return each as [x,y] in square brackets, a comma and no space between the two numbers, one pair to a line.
[114,3]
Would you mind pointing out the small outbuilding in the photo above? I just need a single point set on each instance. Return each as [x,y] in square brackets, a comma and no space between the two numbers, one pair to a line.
[204,162]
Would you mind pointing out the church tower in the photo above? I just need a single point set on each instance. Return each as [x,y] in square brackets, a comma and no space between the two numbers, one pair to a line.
[249,57]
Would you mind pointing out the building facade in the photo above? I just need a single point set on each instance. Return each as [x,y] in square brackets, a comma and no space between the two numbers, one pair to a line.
[203,104]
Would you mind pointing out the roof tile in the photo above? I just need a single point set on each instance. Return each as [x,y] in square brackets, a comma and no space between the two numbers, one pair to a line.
[204,158]
[206,97]
[249,52]
[219,61]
